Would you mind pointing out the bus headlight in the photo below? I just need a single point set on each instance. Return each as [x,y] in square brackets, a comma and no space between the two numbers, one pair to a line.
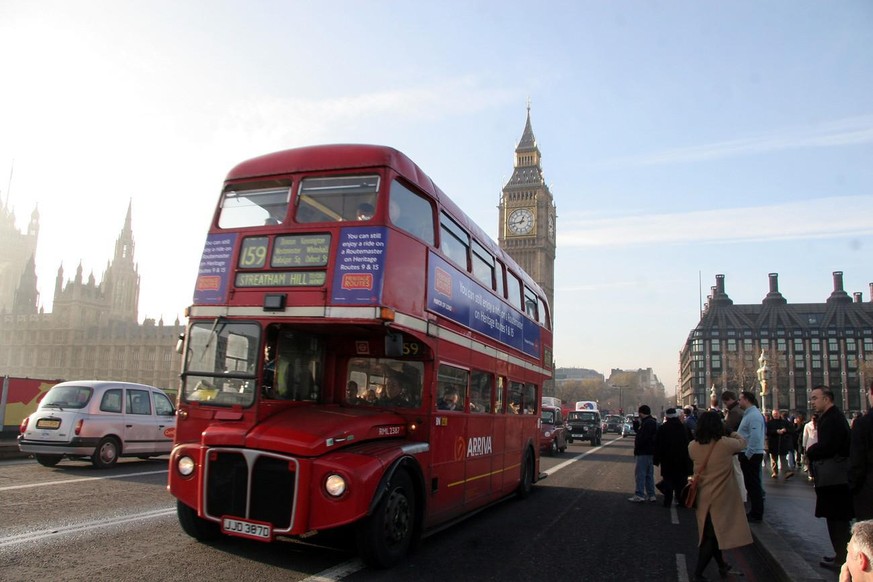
[185,466]
[335,485]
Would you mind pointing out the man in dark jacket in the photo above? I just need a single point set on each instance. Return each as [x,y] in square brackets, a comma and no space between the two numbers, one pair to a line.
[671,454]
[833,499]
[861,462]
[644,452]
[779,441]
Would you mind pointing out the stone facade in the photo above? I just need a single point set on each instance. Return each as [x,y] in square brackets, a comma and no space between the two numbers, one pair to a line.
[92,331]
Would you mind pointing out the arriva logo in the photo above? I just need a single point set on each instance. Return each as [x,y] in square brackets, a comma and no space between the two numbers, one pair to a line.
[478,446]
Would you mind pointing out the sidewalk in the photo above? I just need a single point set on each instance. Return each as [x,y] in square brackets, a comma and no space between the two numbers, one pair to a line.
[791,538]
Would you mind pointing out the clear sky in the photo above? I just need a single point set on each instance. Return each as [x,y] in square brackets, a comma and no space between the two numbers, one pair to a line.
[679,139]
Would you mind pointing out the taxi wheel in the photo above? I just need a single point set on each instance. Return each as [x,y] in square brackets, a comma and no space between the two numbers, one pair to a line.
[385,536]
[48,460]
[199,529]
[553,448]
[106,453]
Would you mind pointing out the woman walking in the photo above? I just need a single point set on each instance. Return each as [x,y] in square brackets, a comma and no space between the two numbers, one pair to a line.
[721,517]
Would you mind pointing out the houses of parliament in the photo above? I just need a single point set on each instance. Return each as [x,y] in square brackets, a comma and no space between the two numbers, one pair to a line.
[93,330]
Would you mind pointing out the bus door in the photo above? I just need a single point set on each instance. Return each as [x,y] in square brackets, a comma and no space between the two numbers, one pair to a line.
[449,440]
[483,446]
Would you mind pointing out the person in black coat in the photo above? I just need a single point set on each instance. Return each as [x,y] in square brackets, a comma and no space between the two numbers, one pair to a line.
[779,441]
[671,454]
[861,462]
[832,501]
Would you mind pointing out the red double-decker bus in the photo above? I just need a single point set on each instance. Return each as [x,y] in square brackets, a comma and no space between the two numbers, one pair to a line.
[358,352]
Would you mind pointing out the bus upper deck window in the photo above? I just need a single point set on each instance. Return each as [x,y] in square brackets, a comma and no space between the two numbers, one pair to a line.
[411,212]
[337,198]
[254,206]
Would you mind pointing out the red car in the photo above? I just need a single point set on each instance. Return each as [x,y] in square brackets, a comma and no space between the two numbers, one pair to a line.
[553,431]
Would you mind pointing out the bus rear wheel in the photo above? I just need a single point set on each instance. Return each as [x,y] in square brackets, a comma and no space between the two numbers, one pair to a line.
[199,529]
[385,536]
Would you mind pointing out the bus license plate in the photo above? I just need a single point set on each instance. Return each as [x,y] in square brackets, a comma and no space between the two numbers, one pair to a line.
[247,529]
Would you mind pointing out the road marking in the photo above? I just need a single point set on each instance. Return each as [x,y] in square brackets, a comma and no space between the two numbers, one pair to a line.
[337,572]
[674,515]
[36,536]
[681,568]
[82,479]
[569,462]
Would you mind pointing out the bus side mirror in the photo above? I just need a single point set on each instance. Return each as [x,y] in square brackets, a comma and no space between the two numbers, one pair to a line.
[180,343]
[394,345]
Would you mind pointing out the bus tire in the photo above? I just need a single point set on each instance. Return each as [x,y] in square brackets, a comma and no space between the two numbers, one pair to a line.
[106,453]
[199,529]
[385,536]
[48,460]
[527,468]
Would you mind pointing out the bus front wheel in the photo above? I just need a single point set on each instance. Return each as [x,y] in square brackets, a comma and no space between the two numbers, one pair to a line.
[385,536]
[199,529]
[527,469]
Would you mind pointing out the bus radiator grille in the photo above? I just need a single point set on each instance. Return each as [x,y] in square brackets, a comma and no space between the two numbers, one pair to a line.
[272,488]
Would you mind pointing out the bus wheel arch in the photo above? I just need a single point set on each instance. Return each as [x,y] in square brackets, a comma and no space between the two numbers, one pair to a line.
[393,525]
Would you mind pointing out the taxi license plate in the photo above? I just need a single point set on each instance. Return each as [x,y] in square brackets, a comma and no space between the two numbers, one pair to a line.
[247,529]
[48,423]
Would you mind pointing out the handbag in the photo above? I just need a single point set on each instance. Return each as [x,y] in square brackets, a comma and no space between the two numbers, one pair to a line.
[690,489]
[831,471]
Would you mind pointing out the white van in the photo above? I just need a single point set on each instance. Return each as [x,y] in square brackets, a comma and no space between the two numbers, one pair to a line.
[99,420]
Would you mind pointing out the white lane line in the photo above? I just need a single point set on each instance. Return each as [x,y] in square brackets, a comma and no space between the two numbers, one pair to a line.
[337,572]
[569,462]
[681,568]
[674,515]
[81,527]
[81,479]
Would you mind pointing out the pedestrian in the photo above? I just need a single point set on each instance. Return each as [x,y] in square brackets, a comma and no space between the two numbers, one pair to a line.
[797,433]
[810,437]
[833,499]
[671,454]
[690,419]
[861,462]
[644,453]
[859,560]
[779,439]
[721,524]
[733,416]
[752,431]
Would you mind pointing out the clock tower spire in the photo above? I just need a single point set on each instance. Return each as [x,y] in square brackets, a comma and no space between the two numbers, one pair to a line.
[527,215]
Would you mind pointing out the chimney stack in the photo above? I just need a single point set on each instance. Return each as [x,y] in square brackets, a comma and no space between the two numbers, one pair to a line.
[774,296]
[857,295]
[839,295]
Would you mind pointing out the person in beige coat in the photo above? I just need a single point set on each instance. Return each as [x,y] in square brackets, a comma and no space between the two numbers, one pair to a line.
[721,517]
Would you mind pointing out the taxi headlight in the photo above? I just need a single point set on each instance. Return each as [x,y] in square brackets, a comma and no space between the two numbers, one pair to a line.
[335,485]
[185,466]
[548,433]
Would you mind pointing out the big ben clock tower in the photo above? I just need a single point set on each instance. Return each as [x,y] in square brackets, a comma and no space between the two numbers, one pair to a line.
[527,216]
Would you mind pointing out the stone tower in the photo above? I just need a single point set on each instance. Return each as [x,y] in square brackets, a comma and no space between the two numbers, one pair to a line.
[527,221]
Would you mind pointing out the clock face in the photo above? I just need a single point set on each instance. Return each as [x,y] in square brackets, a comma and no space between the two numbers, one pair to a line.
[551,227]
[521,221]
